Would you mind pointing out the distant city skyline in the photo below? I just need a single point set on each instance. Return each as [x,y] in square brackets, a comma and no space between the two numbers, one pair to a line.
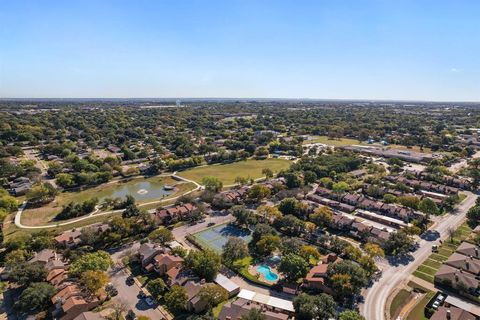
[349,50]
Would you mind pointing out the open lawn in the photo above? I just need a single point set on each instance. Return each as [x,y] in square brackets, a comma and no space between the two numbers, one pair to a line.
[228,172]
[398,302]
[46,214]
[332,142]
[418,313]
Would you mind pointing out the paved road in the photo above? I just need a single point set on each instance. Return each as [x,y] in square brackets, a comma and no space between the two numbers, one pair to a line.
[394,276]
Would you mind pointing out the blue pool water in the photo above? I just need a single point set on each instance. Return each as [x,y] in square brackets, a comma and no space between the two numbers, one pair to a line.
[269,274]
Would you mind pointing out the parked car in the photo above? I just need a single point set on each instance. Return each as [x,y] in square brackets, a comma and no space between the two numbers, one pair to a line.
[130,281]
[141,295]
[434,248]
[149,301]
[210,224]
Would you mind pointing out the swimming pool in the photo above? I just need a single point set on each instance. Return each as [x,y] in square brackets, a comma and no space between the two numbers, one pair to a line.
[267,272]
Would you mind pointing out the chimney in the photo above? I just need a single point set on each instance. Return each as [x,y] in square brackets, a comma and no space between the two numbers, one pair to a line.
[449,315]
[467,265]
[456,277]
[476,251]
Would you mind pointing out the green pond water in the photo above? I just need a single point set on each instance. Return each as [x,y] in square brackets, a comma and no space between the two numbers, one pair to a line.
[141,190]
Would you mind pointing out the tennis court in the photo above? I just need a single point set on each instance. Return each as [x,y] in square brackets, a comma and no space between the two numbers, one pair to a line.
[214,238]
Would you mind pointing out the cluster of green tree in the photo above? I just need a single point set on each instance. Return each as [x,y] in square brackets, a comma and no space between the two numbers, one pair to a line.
[41,193]
[321,307]
[73,210]
[26,168]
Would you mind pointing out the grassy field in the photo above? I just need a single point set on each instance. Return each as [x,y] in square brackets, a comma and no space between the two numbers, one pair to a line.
[418,313]
[228,172]
[45,214]
[429,267]
[398,302]
[332,142]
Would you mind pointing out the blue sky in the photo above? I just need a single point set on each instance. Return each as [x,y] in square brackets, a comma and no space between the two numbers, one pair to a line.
[358,49]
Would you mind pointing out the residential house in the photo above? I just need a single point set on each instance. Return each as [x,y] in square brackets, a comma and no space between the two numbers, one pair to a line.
[456,279]
[194,302]
[68,239]
[452,313]
[147,252]
[236,309]
[465,263]
[316,278]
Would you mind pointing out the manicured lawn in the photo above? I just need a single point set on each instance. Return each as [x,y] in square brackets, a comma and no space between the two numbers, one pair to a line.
[228,172]
[426,269]
[423,276]
[398,302]
[432,263]
[418,313]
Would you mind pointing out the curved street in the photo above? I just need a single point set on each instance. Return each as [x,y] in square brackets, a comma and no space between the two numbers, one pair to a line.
[374,307]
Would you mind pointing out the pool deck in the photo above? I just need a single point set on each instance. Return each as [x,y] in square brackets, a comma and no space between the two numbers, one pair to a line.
[253,271]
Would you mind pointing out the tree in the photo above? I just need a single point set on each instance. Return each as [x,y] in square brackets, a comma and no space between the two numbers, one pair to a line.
[41,193]
[260,230]
[288,206]
[291,245]
[212,184]
[409,201]
[389,198]
[309,176]
[322,217]
[473,216]
[428,207]
[244,216]
[293,266]
[340,187]
[350,315]
[374,250]
[292,180]
[35,298]
[268,213]
[205,264]
[161,236]
[15,257]
[290,224]
[96,261]
[212,295]
[267,172]
[234,249]
[398,243]
[346,280]
[309,253]
[119,307]
[267,244]
[254,314]
[176,298]
[258,192]
[319,307]
[65,180]
[131,211]
[93,280]
[26,273]
[156,288]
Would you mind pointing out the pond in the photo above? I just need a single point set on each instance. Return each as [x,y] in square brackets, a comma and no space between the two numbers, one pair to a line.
[142,190]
